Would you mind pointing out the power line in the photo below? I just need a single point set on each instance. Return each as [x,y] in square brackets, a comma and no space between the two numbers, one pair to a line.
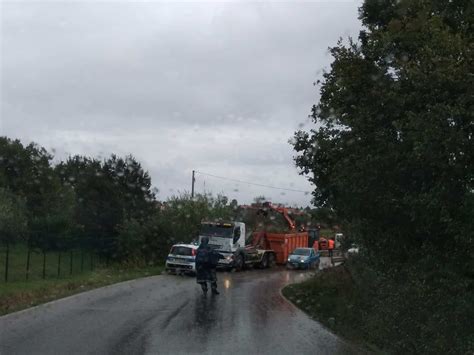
[251,183]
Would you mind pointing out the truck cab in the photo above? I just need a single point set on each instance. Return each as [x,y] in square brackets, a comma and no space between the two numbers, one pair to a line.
[226,237]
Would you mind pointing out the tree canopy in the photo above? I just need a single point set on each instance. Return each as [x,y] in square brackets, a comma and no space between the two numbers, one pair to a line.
[391,155]
[393,151]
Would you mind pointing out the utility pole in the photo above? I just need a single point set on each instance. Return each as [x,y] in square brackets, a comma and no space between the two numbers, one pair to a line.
[192,186]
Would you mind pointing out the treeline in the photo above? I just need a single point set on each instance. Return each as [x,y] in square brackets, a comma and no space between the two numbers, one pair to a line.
[104,206]
[393,158]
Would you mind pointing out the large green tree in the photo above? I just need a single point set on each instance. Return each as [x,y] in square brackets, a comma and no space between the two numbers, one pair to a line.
[27,172]
[107,194]
[392,152]
[13,221]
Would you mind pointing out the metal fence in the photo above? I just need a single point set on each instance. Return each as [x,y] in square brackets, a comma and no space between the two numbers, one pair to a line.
[22,263]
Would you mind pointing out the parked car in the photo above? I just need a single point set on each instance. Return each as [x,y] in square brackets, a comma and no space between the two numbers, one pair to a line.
[353,250]
[182,259]
[303,258]
[338,240]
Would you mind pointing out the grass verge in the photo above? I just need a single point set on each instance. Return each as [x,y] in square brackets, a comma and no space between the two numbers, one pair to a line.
[15,296]
[329,298]
[417,310]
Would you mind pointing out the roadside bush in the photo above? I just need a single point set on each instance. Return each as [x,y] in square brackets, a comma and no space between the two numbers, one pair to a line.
[413,311]
[415,308]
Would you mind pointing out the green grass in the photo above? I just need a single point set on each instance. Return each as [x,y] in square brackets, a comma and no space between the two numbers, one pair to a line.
[330,298]
[416,311]
[15,296]
[17,293]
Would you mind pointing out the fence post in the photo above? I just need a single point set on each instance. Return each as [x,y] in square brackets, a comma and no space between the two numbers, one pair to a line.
[70,262]
[28,263]
[59,263]
[44,264]
[7,261]
[82,260]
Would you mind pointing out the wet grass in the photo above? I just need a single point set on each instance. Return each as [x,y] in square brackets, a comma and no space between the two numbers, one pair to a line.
[19,295]
[329,297]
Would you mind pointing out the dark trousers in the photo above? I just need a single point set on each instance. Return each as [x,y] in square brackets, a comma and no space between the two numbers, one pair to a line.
[212,280]
[213,286]
[330,252]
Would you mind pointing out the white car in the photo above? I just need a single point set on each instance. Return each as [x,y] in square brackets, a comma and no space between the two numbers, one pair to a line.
[353,250]
[182,259]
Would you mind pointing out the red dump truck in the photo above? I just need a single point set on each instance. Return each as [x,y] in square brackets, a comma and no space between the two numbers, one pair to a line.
[262,249]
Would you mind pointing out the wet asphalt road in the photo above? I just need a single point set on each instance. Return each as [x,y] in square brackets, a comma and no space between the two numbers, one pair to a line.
[169,315]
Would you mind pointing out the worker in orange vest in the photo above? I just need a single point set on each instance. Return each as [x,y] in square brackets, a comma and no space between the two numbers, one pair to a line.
[331,246]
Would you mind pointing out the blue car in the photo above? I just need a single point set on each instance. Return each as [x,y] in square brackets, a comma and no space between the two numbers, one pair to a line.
[303,258]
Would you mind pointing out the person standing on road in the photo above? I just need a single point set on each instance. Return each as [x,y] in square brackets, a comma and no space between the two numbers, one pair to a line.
[206,264]
[331,246]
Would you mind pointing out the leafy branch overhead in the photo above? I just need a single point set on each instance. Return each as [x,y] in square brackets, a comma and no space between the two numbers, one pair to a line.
[391,155]
[394,147]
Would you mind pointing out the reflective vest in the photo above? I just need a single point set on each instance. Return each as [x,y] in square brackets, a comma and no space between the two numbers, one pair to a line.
[331,244]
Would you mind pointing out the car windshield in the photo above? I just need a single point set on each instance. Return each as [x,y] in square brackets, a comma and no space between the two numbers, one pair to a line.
[217,230]
[180,250]
[304,252]
[205,138]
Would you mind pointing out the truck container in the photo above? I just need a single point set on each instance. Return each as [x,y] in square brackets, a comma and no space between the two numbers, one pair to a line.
[284,244]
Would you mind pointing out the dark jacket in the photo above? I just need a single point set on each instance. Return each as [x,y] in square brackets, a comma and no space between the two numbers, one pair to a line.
[206,263]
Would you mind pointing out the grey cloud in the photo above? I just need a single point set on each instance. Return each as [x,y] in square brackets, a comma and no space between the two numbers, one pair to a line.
[215,85]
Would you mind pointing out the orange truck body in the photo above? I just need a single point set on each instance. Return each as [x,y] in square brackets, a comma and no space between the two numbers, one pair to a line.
[284,244]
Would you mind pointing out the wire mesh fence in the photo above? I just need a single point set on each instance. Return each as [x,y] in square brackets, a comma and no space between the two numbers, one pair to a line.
[19,262]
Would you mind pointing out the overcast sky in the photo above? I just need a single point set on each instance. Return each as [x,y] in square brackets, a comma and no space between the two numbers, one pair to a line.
[218,87]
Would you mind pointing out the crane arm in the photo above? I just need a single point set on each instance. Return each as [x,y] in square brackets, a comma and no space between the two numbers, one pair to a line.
[284,212]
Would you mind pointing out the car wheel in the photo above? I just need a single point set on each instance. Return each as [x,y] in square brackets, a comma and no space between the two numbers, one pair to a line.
[239,262]
[271,260]
[264,262]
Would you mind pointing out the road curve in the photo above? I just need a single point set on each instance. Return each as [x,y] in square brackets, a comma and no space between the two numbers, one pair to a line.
[169,315]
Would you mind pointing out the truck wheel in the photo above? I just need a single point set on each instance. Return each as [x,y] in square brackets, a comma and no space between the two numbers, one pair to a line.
[271,260]
[264,262]
[239,262]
